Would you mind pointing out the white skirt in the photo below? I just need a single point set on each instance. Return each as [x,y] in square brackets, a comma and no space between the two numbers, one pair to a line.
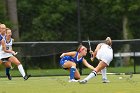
[5,55]
[105,53]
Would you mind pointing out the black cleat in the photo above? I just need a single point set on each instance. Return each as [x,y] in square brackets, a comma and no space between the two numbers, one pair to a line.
[26,77]
[9,76]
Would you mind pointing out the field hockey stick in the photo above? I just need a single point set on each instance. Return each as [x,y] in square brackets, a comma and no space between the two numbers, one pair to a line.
[91,55]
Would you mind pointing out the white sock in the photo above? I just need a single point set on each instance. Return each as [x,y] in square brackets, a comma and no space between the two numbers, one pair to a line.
[21,70]
[91,75]
[103,71]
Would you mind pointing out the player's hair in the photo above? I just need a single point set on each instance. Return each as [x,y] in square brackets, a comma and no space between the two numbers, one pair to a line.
[7,29]
[2,25]
[80,48]
[108,41]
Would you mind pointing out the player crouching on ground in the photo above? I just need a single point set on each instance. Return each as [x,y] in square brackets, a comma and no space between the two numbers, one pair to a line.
[104,53]
[70,59]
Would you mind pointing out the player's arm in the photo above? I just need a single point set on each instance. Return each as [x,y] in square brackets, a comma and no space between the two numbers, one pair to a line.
[95,52]
[12,42]
[68,54]
[13,39]
[14,51]
[87,64]
[4,48]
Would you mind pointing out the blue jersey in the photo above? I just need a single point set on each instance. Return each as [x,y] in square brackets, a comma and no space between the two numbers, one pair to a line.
[1,37]
[70,58]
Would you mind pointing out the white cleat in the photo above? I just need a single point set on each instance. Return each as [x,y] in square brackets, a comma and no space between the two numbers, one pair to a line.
[73,80]
[105,81]
[83,81]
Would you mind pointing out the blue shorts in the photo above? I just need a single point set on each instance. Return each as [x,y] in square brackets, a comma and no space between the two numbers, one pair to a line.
[62,61]
[65,59]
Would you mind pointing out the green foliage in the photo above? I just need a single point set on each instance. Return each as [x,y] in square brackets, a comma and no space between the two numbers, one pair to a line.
[121,8]
[3,16]
[99,21]
[57,19]
[48,19]
[2,9]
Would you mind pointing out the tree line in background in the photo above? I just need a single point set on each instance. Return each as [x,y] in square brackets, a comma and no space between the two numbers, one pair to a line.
[47,20]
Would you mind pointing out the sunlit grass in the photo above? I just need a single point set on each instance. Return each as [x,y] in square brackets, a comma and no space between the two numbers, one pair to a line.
[60,84]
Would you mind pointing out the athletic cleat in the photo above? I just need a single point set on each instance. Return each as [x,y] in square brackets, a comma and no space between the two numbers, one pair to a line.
[73,80]
[9,76]
[26,77]
[105,81]
[83,81]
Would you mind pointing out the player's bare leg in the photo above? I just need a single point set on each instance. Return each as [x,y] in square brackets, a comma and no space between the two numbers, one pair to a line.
[8,67]
[93,74]
[14,60]
[104,76]
[72,70]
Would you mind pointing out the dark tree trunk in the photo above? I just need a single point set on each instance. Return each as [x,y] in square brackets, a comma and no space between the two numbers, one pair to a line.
[11,6]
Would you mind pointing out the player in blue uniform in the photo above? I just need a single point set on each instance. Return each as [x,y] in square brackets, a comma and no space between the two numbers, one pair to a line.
[0,38]
[70,59]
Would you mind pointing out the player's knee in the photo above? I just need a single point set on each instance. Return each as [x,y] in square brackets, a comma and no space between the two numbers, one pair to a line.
[7,64]
[73,64]
[77,78]
[17,63]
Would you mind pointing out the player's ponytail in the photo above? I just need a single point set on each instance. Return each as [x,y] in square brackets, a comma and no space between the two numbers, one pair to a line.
[79,49]
[108,41]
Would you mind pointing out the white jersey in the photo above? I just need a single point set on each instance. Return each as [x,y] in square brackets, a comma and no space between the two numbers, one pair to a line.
[8,47]
[3,36]
[105,53]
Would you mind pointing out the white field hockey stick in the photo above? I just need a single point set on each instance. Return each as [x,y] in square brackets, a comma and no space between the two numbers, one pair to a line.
[91,56]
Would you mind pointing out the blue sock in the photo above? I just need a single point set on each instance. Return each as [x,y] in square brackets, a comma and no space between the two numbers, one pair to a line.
[72,72]
[7,71]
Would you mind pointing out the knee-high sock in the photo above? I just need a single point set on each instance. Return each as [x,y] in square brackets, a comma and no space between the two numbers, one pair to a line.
[103,71]
[72,72]
[91,75]
[21,70]
[7,70]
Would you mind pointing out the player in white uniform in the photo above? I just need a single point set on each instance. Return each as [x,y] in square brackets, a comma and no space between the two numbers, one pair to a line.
[7,54]
[6,64]
[104,53]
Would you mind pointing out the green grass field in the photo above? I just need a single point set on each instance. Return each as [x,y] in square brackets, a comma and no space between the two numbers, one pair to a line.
[60,84]
[60,71]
